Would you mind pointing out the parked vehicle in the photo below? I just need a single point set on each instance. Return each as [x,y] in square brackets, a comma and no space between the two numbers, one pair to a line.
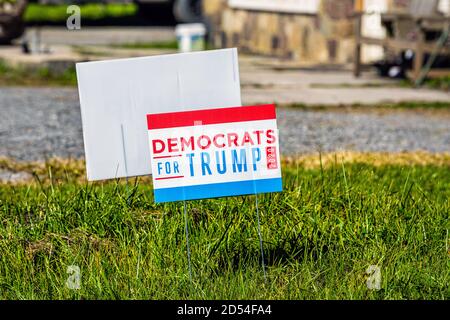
[12,25]
[183,10]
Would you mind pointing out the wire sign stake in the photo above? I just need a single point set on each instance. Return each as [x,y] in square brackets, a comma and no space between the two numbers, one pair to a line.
[260,237]
[187,240]
[124,159]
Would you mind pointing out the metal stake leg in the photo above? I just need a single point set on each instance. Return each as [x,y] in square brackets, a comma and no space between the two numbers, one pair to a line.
[125,160]
[260,237]
[187,240]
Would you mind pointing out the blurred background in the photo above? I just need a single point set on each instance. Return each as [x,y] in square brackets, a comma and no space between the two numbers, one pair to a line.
[348,75]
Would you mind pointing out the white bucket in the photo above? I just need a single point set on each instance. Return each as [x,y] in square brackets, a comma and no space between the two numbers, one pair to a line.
[190,36]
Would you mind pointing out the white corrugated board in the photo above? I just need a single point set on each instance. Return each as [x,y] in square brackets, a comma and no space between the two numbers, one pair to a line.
[116,96]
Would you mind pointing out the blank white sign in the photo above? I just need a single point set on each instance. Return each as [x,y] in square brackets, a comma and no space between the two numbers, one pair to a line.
[116,96]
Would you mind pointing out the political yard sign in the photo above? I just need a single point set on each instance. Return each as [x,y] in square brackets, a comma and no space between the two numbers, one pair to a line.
[214,153]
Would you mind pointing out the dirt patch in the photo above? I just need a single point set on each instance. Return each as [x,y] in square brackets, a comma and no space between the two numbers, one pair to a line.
[371,158]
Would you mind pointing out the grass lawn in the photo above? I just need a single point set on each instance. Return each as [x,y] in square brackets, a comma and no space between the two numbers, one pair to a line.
[37,76]
[442,83]
[169,45]
[320,235]
[404,105]
[36,13]
[149,45]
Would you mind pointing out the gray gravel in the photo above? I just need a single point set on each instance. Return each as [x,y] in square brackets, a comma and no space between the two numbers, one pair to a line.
[38,123]
[371,130]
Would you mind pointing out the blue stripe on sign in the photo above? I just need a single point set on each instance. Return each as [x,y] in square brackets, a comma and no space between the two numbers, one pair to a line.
[215,190]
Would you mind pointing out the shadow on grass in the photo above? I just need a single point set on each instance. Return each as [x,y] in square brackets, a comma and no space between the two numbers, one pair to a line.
[292,249]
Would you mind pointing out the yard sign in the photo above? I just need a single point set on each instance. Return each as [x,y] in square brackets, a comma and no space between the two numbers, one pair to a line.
[214,153]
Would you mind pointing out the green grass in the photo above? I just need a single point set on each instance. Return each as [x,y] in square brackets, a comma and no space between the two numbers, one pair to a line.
[35,76]
[438,83]
[441,83]
[320,236]
[169,45]
[149,45]
[36,13]
[418,105]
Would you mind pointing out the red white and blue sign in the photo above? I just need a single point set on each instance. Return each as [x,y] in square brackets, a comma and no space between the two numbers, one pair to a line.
[214,153]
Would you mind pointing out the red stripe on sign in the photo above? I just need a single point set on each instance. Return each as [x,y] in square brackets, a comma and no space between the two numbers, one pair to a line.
[167,178]
[210,116]
[165,157]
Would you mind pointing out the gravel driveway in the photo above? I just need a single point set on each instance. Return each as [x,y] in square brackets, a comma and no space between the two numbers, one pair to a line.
[37,123]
